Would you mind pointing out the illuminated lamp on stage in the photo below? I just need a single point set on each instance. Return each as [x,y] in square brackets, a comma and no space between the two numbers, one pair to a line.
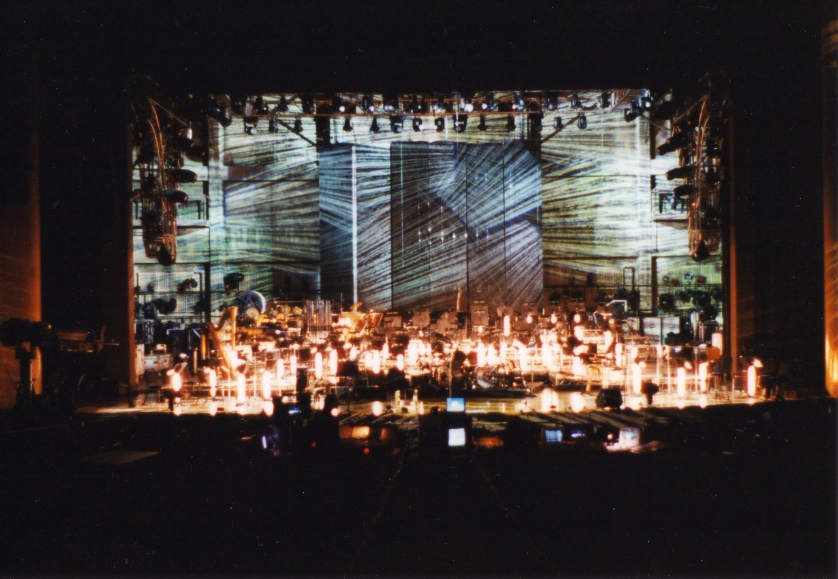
[374,128]
[241,389]
[298,126]
[267,383]
[212,380]
[417,124]
[337,105]
[439,122]
[557,124]
[456,437]
[577,402]
[574,101]
[268,407]
[397,123]
[582,122]
[754,363]
[376,362]
[517,101]
[673,143]
[507,326]
[308,104]
[482,125]
[318,366]
[367,104]
[488,102]
[681,382]
[680,172]
[400,362]
[510,123]
[377,408]
[213,408]
[460,123]
[333,362]
[347,125]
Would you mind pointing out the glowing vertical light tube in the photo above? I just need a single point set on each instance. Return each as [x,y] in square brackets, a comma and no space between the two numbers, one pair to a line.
[507,326]
[578,368]
[481,355]
[636,380]
[702,377]
[492,356]
[212,378]
[608,337]
[554,319]
[400,362]
[412,353]
[752,381]
[280,369]
[241,389]
[177,381]
[318,365]
[376,361]
[367,360]
[385,353]
[333,362]
[618,355]
[681,382]
[267,383]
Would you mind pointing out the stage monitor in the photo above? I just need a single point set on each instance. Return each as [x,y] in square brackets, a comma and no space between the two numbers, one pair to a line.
[455,405]
[456,437]
[553,435]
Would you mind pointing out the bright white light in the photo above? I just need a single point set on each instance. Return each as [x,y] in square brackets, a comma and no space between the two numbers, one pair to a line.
[507,326]
[267,382]
[268,408]
[456,437]
[385,352]
[577,402]
[212,378]
[702,400]
[681,381]
[702,377]
[334,412]
[547,355]
[752,380]
[368,360]
[241,389]
[481,355]
[757,363]
[579,332]
[376,361]
[377,408]
[353,353]
[318,366]
[636,379]
[421,408]
[554,319]
[634,404]
[577,367]
[529,318]
[523,359]
[400,362]
[577,318]
[412,352]
[178,411]
[618,354]
[213,408]
[609,339]
[177,381]
[280,369]
[492,356]
[633,354]
[333,362]
[502,353]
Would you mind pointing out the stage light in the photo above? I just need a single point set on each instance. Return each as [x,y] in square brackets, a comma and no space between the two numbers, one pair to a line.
[267,381]
[510,123]
[535,122]
[397,123]
[577,402]
[347,125]
[298,126]
[374,128]
[557,124]
[241,389]
[337,105]
[318,365]
[440,124]
[552,101]
[460,123]
[605,100]
[673,143]
[574,101]
[630,115]
[417,124]
[681,382]
[488,102]
[440,104]
[182,176]
[367,104]
[482,125]
[308,104]
[518,102]
[467,105]
[400,362]
[283,105]
[680,172]
[377,408]
[333,362]
[507,326]
[582,122]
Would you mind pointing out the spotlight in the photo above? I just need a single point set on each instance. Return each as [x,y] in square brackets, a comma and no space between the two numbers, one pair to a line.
[700,253]
[467,105]
[518,101]
[337,105]
[283,105]
[676,141]
[440,103]
[482,125]
[535,122]
[417,124]
[683,190]
[415,107]
[605,100]
[460,123]
[574,101]
[397,123]
[489,102]
[367,104]
[391,103]
[582,122]
[510,123]
[347,124]
[298,126]
[557,124]
[308,104]
[440,124]
[182,176]
[680,172]
[374,128]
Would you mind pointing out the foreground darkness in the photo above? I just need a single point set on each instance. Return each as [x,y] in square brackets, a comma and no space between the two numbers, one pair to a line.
[750,491]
